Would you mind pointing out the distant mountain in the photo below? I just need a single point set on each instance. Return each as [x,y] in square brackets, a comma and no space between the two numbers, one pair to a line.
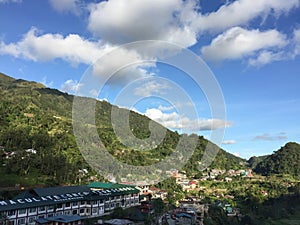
[284,161]
[254,160]
[33,116]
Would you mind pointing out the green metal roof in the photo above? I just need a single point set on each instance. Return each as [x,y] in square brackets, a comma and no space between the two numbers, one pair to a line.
[102,185]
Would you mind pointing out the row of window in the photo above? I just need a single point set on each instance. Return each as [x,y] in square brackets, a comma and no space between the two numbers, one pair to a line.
[31,220]
[50,208]
[60,206]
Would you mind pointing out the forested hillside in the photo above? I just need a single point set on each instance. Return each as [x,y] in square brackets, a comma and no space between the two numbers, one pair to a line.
[254,160]
[38,145]
[284,161]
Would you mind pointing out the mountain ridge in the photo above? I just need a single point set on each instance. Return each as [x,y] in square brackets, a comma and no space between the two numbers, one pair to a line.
[36,117]
[284,161]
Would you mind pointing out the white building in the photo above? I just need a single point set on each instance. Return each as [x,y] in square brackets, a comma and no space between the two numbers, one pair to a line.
[40,203]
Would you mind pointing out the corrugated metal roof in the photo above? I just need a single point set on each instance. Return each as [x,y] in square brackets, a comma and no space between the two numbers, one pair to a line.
[61,219]
[101,185]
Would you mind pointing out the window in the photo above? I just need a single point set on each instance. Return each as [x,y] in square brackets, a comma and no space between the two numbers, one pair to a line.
[21,212]
[42,216]
[59,206]
[94,211]
[88,211]
[32,210]
[50,215]
[68,204]
[10,222]
[74,203]
[50,208]
[42,208]
[31,220]
[82,203]
[11,212]
[21,221]
[74,212]
[81,211]
[68,212]
[101,201]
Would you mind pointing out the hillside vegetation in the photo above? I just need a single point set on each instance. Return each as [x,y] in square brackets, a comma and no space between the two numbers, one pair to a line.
[284,161]
[33,116]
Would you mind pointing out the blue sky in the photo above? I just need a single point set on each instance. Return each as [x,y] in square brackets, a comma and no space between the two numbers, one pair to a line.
[251,47]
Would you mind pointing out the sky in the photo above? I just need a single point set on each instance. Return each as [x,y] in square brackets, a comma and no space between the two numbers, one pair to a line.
[249,51]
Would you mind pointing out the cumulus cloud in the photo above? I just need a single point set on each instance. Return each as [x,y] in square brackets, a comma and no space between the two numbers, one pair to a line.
[72,48]
[70,86]
[47,83]
[228,142]
[64,6]
[122,65]
[238,42]
[150,88]
[173,120]
[75,50]
[270,137]
[296,42]
[120,22]
[177,21]
[240,12]
[115,22]
[266,57]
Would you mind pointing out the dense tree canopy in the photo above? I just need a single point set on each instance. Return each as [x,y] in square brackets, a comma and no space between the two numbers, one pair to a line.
[284,161]
[33,116]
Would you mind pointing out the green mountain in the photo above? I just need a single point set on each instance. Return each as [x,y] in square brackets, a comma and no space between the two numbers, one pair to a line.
[33,116]
[254,160]
[284,161]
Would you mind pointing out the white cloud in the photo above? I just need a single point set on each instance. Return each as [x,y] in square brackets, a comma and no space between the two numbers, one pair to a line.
[165,108]
[150,88]
[46,82]
[71,48]
[270,137]
[70,86]
[296,42]
[126,64]
[266,57]
[177,21]
[238,42]
[228,142]
[72,6]
[173,120]
[122,65]
[118,22]
[237,154]
[240,12]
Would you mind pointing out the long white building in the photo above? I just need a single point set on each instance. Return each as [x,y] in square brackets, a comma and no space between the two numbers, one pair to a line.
[33,206]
